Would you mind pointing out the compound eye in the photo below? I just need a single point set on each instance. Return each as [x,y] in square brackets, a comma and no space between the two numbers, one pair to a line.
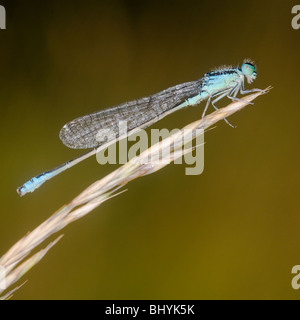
[248,69]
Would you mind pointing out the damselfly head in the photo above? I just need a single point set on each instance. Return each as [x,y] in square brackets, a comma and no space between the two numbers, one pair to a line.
[249,70]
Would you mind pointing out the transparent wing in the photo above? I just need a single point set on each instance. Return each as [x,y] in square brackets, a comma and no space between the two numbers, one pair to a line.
[94,129]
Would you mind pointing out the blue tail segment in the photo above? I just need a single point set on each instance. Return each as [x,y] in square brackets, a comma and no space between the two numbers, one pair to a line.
[36,182]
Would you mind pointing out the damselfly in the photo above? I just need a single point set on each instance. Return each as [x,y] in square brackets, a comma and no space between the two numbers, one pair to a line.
[83,132]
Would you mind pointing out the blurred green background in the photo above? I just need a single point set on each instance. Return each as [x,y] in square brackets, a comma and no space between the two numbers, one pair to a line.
[230,233]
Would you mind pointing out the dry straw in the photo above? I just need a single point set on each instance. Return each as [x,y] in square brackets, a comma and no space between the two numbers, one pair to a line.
[17,261]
